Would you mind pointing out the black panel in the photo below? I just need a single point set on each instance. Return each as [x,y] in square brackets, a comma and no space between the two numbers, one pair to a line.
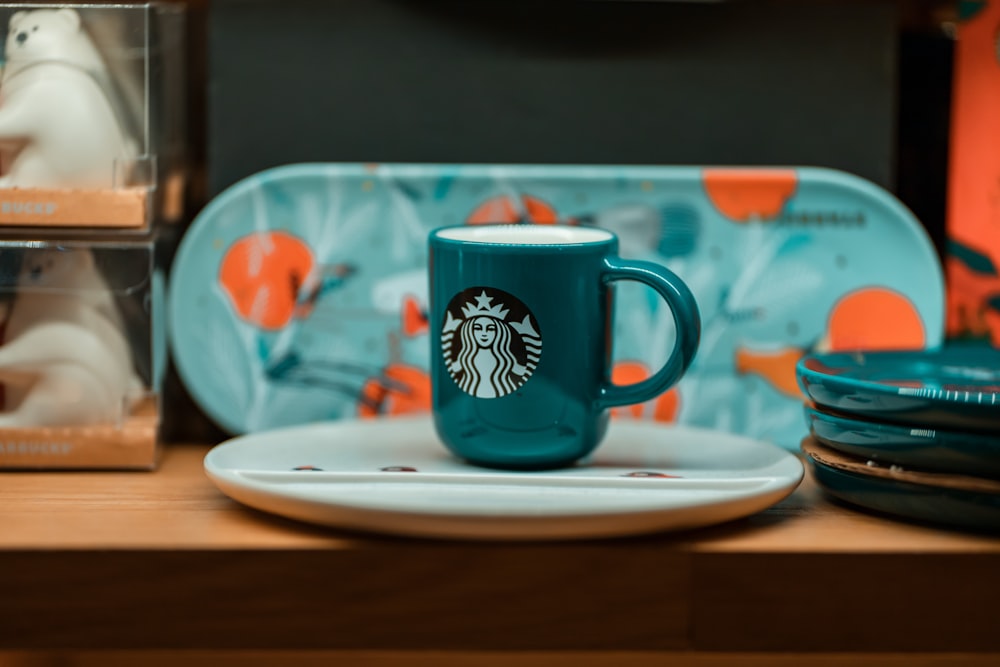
[558,82]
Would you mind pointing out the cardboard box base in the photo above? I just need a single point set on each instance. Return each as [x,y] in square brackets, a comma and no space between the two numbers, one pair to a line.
[124,208]
[131,445]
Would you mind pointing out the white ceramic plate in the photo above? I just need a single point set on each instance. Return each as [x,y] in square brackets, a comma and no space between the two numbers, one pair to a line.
[393,476]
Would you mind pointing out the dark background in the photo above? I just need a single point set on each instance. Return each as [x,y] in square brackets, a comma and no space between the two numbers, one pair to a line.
[557,82]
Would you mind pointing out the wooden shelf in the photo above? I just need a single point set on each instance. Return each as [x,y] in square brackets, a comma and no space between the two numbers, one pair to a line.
[162,560]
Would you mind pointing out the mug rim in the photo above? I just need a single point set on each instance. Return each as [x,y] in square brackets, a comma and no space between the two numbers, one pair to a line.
[559,235]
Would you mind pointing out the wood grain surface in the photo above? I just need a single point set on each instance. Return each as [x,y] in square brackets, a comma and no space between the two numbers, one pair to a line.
[162,561]
[494,659]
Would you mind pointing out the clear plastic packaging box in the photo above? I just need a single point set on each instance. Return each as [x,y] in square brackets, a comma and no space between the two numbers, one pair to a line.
[91,117]
[82,356]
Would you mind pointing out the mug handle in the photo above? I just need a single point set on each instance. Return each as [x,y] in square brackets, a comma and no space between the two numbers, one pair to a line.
[687,322]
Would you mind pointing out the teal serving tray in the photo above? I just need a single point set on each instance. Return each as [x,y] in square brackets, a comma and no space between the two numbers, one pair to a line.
[299,294]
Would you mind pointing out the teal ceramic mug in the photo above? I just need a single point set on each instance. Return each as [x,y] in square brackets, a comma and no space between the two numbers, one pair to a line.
[521,323]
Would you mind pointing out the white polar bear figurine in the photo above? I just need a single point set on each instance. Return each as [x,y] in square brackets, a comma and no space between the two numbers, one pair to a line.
[65,359]
[58,128]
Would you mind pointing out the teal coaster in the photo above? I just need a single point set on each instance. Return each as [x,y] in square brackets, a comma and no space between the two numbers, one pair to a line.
[934,499]
[917,447]
[955,388]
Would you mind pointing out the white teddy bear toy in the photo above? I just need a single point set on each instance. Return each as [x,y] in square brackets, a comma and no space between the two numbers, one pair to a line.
[58,126]
[65,359]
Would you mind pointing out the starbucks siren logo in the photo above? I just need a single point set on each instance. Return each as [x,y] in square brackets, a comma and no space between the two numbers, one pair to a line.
[490,342]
